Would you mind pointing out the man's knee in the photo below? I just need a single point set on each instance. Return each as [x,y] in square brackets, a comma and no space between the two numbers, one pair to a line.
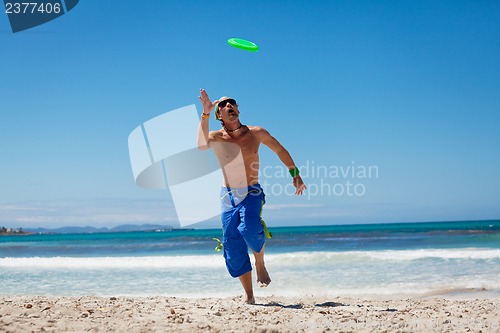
[236,255]
[253,233]
[237,264]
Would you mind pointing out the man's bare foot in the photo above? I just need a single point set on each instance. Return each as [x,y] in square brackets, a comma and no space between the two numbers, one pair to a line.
[248,300]
[263,278]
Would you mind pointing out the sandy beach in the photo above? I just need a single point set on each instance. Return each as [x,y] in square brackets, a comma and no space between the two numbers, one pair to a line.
[270,314]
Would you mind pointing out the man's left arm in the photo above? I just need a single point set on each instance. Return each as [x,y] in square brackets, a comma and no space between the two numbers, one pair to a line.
[266,138]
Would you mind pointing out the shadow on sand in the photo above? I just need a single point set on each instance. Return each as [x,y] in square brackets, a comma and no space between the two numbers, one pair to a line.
[291,306]
[330,304]
[300,306]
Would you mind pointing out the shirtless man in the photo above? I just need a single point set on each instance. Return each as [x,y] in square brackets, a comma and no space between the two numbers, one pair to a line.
[237,149]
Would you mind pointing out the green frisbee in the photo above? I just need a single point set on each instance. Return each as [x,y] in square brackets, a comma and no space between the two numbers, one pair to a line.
[243,44]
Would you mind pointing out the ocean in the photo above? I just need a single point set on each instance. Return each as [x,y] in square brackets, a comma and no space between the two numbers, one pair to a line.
[336,260]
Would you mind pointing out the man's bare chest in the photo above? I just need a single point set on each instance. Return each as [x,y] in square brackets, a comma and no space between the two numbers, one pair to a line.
[228,149]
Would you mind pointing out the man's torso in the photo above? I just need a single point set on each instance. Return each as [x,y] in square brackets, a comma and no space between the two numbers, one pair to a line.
[238,155]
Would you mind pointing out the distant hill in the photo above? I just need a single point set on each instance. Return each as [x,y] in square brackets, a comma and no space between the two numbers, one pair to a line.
[89,229]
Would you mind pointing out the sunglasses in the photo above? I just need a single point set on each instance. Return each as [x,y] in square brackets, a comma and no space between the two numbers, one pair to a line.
[224,103]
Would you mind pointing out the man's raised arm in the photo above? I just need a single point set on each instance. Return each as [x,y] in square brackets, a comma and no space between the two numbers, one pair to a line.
[208,106]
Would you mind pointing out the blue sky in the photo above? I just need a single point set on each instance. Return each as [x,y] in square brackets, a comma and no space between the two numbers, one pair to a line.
[410,89]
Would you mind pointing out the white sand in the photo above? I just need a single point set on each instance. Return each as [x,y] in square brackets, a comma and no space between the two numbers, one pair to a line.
[270,314]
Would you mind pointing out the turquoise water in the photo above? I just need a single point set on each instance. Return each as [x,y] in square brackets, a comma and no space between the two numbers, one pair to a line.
[336,260]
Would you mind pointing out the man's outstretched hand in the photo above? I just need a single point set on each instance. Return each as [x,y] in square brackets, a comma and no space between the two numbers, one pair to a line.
[299,185]
[207,104]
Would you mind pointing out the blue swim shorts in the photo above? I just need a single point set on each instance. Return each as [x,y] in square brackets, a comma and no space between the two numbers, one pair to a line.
[241,216]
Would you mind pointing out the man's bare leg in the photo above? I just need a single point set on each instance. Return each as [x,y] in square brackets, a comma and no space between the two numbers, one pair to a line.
[263,278]
[246,282]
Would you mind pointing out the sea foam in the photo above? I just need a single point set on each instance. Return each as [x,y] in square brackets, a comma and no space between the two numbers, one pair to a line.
[283,259]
